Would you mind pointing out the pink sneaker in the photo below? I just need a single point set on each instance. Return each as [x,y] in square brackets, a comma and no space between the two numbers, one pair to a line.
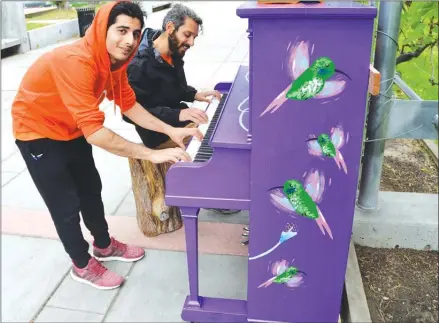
[96,275]
[118,251]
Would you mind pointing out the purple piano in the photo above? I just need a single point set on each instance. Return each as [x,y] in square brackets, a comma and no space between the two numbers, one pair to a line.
[284,142]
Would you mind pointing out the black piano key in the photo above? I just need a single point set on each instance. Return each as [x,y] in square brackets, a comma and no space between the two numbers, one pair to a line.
[205,152]
[201,159]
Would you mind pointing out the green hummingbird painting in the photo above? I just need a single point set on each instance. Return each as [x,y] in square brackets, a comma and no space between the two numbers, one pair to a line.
[284,274]
[295,198]
[329,146]
[319,80]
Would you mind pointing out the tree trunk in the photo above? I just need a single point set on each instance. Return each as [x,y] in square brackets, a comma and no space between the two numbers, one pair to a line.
[154,217]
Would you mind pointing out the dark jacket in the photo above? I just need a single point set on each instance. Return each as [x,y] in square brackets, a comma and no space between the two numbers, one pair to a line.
[160,88]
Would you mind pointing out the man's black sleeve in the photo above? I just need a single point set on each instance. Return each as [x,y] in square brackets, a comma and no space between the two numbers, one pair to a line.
[139,81]
[189,94]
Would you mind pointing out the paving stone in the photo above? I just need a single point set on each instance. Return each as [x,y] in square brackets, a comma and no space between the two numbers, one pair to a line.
[128,206]
[53,314]
[29,197]
[158,286]
[7,177]
[32,269]
[15,163]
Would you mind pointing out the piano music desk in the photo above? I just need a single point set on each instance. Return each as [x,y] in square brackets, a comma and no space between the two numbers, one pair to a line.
[294,165]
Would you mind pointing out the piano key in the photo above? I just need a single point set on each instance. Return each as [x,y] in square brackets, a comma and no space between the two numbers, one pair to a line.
[200,105]
[205,151]
[194,145]
[201,151]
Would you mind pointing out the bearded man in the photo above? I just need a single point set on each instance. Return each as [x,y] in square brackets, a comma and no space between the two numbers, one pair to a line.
[157,77]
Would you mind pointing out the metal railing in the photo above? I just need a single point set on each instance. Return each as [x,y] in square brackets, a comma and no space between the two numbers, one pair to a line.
[388,117]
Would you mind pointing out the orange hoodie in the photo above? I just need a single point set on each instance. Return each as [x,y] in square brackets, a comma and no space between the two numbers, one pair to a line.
[60,93]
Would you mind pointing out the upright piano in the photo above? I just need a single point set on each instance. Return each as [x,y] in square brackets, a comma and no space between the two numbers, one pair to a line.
[285,143]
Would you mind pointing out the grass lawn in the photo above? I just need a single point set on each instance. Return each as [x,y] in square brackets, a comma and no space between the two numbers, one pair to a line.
[61,14]
[55,15]
[34,25]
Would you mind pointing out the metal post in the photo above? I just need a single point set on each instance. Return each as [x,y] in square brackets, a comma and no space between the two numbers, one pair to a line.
[385,62]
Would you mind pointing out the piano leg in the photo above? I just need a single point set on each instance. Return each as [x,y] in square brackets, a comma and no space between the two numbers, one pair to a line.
[190,219]
[199,308]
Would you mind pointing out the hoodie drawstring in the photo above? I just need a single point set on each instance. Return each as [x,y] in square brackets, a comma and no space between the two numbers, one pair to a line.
[114,94]
[120,93]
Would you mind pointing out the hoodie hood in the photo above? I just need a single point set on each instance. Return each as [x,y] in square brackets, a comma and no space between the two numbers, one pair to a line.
[96,38]
[146,47]
[148,36]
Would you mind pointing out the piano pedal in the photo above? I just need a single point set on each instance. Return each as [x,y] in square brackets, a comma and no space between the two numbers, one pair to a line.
[245,234]
[245,242]
[246,229]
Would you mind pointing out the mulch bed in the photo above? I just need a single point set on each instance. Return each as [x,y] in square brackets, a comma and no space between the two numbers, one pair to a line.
[401,285]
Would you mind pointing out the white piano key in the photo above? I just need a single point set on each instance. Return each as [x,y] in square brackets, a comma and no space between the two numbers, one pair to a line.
[200,105]
[195,144]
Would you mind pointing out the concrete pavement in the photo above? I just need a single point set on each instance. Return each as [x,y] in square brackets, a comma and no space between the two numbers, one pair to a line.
[35,281]
[36,285]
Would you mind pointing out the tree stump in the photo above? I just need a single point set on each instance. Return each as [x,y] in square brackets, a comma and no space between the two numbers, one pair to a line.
[154,217]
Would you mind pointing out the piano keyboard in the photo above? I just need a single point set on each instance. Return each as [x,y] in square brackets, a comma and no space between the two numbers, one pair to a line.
[201,151]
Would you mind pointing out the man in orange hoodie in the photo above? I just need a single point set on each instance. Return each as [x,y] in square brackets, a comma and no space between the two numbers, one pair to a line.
[56,120]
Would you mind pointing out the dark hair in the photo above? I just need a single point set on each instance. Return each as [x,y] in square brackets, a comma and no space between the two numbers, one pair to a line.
[178,15]
[129,8]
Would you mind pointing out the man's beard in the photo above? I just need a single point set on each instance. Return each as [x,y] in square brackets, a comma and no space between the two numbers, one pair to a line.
[173,45]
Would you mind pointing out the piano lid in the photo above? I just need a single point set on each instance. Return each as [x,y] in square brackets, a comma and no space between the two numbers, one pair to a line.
[232,128]
[330,9]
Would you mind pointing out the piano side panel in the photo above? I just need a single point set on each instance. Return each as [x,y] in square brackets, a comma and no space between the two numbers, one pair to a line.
[279,153]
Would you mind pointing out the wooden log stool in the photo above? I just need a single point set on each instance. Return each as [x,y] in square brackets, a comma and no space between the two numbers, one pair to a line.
[154,217]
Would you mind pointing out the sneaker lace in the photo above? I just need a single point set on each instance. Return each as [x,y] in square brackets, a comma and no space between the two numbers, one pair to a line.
[97,269]
[120,245]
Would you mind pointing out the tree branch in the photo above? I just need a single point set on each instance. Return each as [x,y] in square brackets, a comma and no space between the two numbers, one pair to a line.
[409,56]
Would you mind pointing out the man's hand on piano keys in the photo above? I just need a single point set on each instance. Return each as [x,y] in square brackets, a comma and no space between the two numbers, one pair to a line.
[193,114]
[203,96]
[178,135]
[173,155]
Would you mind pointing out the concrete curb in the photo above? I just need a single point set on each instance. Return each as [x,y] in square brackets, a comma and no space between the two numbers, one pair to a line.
[355,308]
[432,149]
[52,34]
[405,220]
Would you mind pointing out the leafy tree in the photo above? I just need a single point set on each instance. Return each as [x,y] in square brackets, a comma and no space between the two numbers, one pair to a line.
[419,32]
